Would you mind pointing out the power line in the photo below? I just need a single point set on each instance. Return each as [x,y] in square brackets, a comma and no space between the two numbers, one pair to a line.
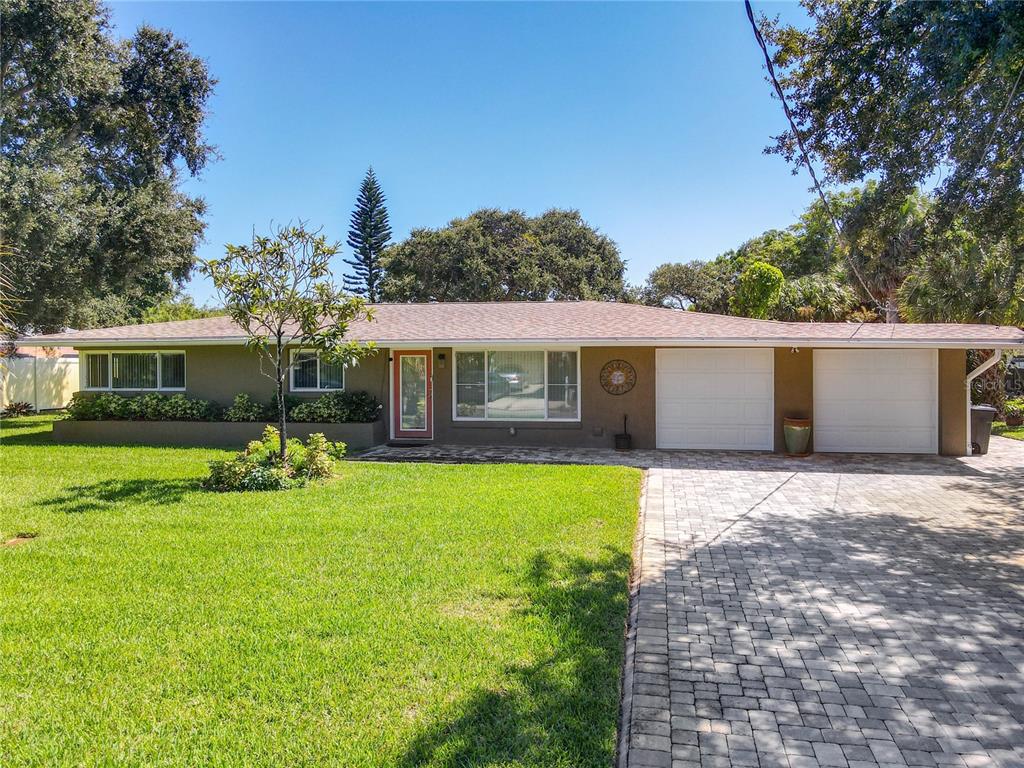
[803,150]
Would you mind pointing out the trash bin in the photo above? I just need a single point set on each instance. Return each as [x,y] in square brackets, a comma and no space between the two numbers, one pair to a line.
[981,428]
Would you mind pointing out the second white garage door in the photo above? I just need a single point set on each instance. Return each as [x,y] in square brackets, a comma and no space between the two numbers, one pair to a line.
[876,400]
[715,398]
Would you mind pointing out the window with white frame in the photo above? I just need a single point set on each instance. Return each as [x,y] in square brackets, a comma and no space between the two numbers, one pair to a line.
[311,374]
[511,385]
[162,369]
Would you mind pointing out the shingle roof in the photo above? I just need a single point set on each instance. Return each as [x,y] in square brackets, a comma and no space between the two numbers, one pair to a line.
[564,322]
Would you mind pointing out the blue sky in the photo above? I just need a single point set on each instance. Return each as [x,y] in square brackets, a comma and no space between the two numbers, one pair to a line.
[648,118]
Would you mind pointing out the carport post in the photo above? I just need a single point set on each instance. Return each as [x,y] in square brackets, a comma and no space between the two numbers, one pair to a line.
[967,386]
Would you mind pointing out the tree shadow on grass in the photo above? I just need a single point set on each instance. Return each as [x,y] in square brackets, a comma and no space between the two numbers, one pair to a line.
[24,432]
[107,493]
[561,709]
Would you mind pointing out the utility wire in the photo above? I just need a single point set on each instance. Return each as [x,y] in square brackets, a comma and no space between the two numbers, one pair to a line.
[803,150]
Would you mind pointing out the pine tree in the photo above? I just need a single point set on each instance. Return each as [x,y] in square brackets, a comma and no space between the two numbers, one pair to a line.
[368,234]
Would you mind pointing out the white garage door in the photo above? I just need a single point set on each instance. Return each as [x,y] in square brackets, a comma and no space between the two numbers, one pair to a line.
[715,398]
[876,400]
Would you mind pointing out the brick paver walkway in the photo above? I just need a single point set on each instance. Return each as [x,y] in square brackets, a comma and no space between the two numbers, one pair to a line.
[836,611]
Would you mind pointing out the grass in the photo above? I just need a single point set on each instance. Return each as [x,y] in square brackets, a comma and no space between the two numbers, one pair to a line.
[398,615]
[1000,428]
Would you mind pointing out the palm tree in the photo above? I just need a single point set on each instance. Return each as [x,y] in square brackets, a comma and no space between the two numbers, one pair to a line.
[962,280]
[885,241]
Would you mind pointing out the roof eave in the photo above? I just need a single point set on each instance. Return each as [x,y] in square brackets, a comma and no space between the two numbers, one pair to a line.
[736,341]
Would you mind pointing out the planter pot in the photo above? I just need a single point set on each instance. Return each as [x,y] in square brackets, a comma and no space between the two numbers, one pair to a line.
[1014,421]
[798,435]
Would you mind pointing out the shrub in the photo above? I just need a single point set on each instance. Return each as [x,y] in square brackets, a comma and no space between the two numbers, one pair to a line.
[19,408]
[151,406]
[259,467]
[758,290]
[338,407]
[244,408]
[1014,411]
[181,408]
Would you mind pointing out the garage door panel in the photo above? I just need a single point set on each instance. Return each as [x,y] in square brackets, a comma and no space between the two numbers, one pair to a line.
[881,401]
[756,412]
[715,398]
[696,386]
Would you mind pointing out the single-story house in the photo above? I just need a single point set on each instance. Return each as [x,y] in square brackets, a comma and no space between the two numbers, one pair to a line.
[569,373]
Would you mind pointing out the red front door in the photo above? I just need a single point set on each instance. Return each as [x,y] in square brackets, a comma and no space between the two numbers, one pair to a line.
[412,399]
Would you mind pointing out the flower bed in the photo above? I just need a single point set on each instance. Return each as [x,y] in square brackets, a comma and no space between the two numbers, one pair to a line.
[153,419]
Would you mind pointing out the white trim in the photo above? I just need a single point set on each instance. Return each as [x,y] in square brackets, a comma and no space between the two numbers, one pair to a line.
[522,348]
[84,370]
[673,341]
[317,388]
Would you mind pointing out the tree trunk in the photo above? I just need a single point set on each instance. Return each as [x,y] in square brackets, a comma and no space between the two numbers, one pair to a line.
[281,423]
[282,426]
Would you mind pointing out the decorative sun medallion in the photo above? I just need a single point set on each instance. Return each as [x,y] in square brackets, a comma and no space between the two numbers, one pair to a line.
[618,377]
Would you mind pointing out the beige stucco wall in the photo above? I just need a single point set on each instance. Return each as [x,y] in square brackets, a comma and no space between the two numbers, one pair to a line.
[794,389]
[952,402]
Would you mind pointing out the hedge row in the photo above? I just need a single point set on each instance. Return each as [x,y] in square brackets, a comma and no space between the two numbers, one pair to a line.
[333,407]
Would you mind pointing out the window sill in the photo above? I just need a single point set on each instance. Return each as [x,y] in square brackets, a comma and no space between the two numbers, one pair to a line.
[504,425]
[132,389]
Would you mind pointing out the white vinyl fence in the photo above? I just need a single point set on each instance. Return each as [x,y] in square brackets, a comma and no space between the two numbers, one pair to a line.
[44,382]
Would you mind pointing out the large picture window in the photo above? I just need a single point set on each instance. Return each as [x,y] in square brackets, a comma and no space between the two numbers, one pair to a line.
[311,374]
[517,385]
[135,370]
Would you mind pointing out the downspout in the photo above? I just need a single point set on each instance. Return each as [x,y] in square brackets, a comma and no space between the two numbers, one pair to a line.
[996,355]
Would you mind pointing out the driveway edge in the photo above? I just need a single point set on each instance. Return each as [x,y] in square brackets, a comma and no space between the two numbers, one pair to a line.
[626,680]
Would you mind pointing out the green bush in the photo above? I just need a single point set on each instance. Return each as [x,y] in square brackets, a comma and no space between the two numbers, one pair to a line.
[244,408]
[259,467]
[333,407]
[758,290]
[1014,409]
[338,407]
[86,406]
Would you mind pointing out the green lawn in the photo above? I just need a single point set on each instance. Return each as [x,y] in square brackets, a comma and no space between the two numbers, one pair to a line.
[397,615]
[1000,428]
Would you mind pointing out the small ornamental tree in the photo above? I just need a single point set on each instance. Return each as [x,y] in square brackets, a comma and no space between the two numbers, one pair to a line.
[758,290]
[280,291]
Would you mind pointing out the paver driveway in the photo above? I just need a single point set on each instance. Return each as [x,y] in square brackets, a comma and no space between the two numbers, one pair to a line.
[835,611]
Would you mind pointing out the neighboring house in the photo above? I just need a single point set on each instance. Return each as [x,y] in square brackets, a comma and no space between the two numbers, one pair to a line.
[43,377]
[566,373]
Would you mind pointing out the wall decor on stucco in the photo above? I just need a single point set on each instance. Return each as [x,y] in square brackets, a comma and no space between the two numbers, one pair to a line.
[618,377]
